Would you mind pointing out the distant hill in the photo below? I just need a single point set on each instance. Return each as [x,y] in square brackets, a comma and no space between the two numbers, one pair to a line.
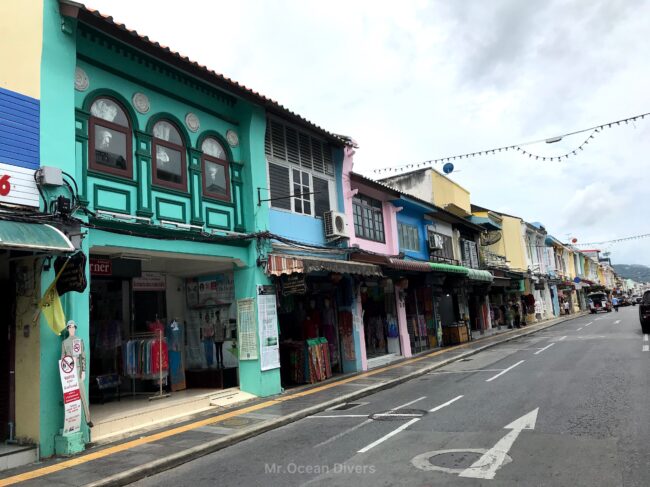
[637,272]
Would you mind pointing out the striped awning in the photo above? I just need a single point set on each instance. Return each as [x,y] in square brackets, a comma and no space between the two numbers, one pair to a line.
[449,268]
[279,264]
[478,275]
[409,265]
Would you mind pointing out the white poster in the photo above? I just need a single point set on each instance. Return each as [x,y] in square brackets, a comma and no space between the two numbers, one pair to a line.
[267,318]
[246,327]
[71,396]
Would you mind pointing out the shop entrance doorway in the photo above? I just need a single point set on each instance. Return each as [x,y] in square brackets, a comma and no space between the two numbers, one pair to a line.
[380,318]
[6,357]
[160,318]
[310,337]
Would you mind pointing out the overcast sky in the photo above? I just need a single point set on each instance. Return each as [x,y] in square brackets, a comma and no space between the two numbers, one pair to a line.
[416,80]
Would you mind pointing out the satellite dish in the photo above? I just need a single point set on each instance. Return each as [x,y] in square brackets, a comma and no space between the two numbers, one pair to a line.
[448,168]
[490,238]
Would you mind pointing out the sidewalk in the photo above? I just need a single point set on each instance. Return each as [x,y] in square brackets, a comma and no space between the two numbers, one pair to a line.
[136,458]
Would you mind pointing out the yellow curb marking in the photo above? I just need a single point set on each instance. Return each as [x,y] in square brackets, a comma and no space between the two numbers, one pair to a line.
[221,417]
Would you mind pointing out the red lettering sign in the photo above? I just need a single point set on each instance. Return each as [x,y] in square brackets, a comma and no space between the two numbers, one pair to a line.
[5,185]
[73,395]
[101,267]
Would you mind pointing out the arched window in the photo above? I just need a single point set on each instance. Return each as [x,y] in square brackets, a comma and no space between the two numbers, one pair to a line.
[168,156]
[216,171]
[109,138]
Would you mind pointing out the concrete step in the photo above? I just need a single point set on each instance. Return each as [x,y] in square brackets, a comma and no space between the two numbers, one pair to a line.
[12,456]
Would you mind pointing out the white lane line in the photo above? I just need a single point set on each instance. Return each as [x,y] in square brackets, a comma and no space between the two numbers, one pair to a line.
[389,435]
[646,348]
[645,337]
[468,371]
[545,348]
[504,371]
[588,324]
[561,338]
[409,403]
[579,329]
[397,415]
[617,322]
[445,404]
[339,416]
[344,433]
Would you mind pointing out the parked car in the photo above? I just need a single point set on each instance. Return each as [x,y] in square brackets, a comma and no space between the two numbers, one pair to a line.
[637,299]
[623,301]
[599,302]
[644,312]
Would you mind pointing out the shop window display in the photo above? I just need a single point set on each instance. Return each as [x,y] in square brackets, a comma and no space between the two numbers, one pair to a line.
[380,318]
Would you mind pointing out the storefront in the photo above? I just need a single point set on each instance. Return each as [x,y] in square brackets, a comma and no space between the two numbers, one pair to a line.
[160,324]
[318,318]
[498,298]
[478,284]
[28,253]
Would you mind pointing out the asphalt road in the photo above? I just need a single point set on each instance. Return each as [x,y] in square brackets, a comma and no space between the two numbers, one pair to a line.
[564,407]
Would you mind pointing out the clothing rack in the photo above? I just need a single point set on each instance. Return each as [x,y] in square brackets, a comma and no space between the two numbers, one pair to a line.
[159,334]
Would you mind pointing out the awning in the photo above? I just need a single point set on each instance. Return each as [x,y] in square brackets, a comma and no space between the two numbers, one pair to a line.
[449,268]
[33,237]
[279,264]
[501,281]
[410,265]
[484,222]
[477,275]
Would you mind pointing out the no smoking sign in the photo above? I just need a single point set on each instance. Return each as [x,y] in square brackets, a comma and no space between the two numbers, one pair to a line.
[67,364]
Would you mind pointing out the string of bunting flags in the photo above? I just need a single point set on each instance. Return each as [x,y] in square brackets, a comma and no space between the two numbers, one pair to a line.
[519,147]
[623,239]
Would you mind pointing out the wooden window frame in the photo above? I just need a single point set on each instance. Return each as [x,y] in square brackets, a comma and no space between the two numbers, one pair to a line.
[155,142]
[226,165]
[128,134]
[367,203]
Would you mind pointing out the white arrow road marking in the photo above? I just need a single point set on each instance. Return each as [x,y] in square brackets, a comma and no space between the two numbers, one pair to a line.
[445,404]
[504,371]
[617,322]
[546,347]
[561,338]
[389,435]
[645,337]
[486,467]
[646,348]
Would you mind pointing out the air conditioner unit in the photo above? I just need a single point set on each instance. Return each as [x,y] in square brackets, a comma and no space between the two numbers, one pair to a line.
[335,226]
[435,242]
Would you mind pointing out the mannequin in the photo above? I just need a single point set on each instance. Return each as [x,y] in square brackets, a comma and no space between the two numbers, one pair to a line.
[77,352]
[329,330]
[219,337]
[207,334]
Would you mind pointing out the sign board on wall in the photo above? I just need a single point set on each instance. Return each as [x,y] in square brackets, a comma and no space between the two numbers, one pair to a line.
[101,267]
[267,317]
[150,281]
[246,327]
[71,396]
[17,186]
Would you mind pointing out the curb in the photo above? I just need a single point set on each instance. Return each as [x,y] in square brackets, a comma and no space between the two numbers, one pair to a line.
[190,454]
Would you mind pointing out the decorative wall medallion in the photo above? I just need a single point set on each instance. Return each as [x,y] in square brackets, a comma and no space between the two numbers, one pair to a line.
[232,138]
[141,102]
[81,81]
[192,122]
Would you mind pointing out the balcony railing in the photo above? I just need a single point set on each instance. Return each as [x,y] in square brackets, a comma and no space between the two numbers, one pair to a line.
[444,260]
[491,259]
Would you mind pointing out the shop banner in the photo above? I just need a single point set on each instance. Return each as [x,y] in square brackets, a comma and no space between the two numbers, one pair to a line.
[101,267]
[215,290]
[71,396]
[267,317]
[246,327]
[150,281]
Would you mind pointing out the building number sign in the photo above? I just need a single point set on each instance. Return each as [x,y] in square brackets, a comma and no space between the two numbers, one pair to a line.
[5,185]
